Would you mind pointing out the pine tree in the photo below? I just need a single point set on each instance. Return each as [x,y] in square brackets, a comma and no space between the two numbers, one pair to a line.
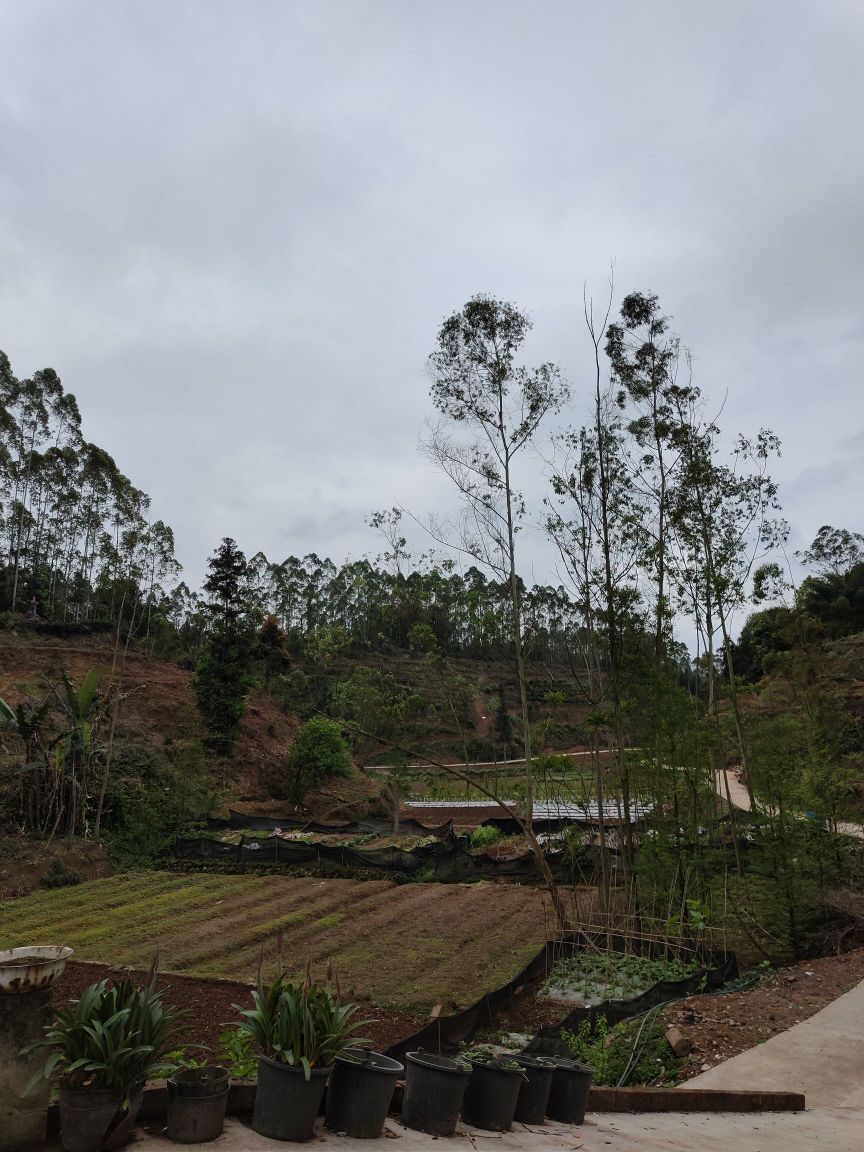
[223,677]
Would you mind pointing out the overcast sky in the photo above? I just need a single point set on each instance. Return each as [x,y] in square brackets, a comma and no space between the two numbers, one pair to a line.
[234,228]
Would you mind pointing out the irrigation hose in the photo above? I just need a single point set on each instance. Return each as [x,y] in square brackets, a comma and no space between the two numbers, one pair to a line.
[631,1063]
[637,1053]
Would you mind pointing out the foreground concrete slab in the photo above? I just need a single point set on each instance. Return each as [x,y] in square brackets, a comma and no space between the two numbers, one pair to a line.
[823,1057]
[829,1130]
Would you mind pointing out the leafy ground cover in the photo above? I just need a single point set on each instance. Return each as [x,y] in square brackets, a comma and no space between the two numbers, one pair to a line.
[589,978]
[632,1052]
[401,946]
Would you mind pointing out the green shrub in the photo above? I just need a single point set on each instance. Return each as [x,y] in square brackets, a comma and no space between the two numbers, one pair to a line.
[235,1050]
[485,834]
[59,876]
[153,798]
[319,753]
[632,1052]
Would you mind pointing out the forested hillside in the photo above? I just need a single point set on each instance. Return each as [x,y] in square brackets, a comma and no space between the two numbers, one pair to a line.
[134,705]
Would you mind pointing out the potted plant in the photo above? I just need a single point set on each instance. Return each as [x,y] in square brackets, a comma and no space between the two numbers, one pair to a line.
[360,1091]
[434,1089]
[197,1097]
[534,1092]
[571,1087]
[300,1029]
[492,1091]
[102,1049]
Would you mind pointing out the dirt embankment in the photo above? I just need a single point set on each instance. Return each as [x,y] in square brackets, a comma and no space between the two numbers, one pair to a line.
[159,705]
[722,1025]
[209,1007]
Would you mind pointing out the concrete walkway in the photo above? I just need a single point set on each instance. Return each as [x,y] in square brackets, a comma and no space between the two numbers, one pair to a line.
[823,1057]
[828,1130]
[740,798]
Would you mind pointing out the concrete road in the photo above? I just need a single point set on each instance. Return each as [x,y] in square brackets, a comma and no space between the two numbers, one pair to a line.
[823,1057]
[828,1130]
[740,798]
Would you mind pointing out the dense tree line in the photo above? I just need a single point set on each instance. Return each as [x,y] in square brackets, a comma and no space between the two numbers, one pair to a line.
[827,605]
[364,605]
[78,543]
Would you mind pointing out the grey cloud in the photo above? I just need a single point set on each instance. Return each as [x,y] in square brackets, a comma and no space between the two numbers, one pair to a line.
[233,230]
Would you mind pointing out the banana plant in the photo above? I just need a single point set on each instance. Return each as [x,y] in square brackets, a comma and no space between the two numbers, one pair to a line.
[73,748]
[78,705]
[25,720]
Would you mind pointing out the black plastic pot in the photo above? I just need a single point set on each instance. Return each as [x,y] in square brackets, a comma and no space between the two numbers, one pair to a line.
[359,1092]
[534,1090]
[434,1088]
[94,1120]
[286,1103]
[568,1097]
[491,1095]
[196,1104]
[207,1081]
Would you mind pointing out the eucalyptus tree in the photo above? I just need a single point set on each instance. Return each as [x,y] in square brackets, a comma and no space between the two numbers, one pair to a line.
[596,523]
[643,357]
[479,389]
[30,400]
[260,585]
[833,551]
[160,567]
[726,518]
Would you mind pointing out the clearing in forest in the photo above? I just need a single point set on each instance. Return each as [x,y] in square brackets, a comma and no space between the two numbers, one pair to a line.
[404,946]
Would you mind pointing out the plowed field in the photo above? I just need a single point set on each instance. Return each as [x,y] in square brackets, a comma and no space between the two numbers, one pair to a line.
[410,946]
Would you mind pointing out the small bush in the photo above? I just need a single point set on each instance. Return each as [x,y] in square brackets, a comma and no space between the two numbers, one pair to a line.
[235,1050]
[59,876]
[319,753]
[485,834]
[632,1052]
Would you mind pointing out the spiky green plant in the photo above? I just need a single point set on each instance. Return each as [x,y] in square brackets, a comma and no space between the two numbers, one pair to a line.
[111,1037]
[303,1025]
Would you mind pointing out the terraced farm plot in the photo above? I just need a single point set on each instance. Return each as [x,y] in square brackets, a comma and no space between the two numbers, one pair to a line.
[409,946]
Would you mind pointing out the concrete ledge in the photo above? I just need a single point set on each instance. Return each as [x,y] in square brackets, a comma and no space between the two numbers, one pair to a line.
[692,1100]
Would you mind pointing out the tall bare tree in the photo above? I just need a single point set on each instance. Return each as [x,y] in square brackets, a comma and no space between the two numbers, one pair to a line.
[490,408]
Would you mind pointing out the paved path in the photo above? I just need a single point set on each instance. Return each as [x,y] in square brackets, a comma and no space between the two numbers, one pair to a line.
[823,1057]
[828,1130]
[737,793]
[740,798]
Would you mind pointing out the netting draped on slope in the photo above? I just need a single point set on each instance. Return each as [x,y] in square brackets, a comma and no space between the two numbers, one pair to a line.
[444,1034]
[447,855]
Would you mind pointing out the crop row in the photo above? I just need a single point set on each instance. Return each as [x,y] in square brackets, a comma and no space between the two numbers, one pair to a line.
[405,946]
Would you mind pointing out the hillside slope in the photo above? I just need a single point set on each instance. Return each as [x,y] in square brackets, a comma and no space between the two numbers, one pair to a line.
[159,707]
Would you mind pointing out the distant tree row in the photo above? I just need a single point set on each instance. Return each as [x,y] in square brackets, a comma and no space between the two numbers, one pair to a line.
[77,540]
[365,604]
